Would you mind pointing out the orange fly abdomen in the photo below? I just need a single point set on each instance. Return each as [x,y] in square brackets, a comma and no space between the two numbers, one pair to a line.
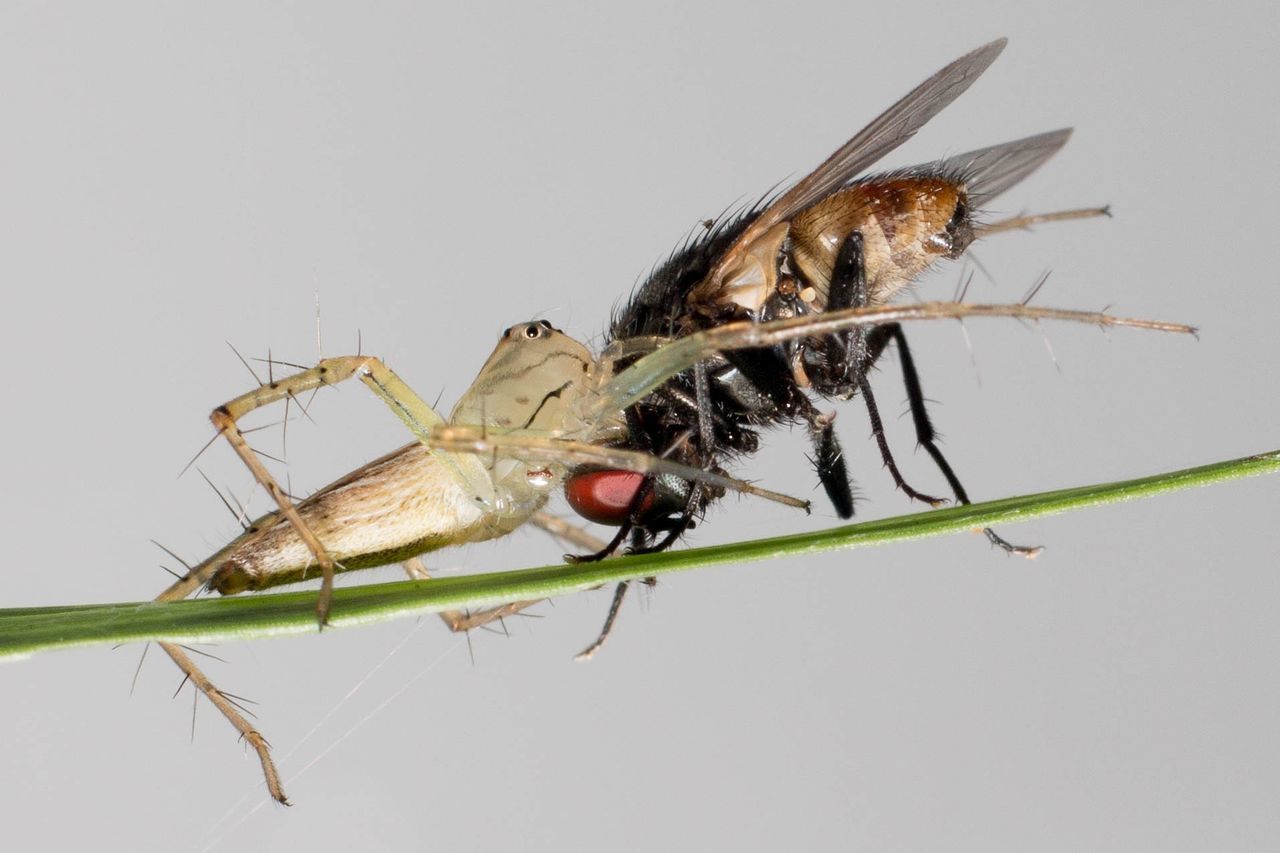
[906,224]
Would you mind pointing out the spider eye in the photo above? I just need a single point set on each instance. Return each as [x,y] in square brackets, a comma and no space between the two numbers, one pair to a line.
[532,331]
[544,324]
[506,333]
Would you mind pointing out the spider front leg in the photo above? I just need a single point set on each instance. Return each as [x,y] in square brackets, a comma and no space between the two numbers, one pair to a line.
[401,399]
[676,355]
[407,405]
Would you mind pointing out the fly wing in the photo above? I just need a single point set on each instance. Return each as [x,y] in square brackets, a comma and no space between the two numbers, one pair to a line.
[889,130]
[988,172]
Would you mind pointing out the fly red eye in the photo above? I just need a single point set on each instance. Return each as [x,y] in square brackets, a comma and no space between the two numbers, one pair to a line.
[605,496]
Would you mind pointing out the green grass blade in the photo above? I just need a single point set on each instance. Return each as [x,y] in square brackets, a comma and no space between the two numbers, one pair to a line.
[24,631]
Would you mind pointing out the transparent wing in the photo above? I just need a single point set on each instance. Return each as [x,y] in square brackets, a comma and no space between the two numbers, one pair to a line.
[990,171]
[889,130]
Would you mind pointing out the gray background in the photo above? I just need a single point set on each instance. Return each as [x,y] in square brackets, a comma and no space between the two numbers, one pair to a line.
[175,177]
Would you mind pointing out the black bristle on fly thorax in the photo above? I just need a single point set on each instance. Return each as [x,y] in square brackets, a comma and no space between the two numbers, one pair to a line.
[666,422]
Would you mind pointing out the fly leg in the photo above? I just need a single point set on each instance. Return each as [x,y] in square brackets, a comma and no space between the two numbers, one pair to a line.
[641,534]
[619,593]
[641,544]
[763,383]
[925,433]
[694,501]
[403,401]
[828,458]
[877,430]
[850,350]
[695,497]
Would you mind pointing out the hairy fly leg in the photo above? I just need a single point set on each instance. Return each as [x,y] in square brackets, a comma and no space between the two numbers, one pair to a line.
[651,509]
[641,523]
[619,593]
[828,462]
[761,382]
[848,358]
[925,433]
[846,352]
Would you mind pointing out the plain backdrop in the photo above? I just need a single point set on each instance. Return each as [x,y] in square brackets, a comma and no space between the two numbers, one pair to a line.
[174,177]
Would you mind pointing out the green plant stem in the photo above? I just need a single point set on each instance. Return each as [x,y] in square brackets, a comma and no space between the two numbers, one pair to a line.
[24,631]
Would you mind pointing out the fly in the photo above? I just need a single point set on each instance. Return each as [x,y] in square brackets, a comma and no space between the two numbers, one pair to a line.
[835,240]
[636,434]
